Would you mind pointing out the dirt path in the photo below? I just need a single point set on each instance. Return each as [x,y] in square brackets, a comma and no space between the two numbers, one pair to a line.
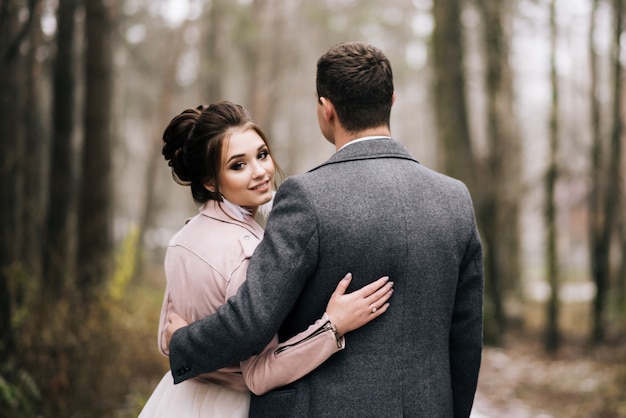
[520,381]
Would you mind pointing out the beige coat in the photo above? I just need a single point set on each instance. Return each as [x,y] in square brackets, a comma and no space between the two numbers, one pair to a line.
[205,263]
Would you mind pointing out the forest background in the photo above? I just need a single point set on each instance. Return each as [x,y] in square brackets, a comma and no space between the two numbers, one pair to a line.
[521,99]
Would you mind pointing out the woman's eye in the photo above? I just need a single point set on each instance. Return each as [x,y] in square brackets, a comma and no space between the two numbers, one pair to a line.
[263,154]
[237,166]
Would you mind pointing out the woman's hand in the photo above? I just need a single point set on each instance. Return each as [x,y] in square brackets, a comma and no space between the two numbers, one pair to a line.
[349,311]
[174,323]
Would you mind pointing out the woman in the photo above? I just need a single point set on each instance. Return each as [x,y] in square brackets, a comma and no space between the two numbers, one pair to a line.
[226,160]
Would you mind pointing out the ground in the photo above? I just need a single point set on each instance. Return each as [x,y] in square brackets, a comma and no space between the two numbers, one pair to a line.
[519,380]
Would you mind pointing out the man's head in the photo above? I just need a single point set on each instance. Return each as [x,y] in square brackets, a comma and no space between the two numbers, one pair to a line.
[357,79]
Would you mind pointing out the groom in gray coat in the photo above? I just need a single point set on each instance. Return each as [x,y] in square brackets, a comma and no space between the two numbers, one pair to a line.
[371,210]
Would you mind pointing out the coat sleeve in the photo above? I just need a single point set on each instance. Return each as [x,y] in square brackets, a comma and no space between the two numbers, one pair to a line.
[277,273]
[281,364]
[166,308]
[466,334]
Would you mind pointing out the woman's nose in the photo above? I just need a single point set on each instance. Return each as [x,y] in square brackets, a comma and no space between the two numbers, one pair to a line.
[258,170]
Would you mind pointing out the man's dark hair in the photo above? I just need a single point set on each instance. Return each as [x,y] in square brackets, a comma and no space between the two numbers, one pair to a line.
[358,80]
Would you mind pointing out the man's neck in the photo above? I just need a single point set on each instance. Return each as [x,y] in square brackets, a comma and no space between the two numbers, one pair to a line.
[343,138]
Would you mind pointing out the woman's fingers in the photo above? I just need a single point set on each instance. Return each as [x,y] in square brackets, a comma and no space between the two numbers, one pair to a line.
[371,288]
[381,295]
[375,296]
[343,285]
[175,322]
[379,304]
[375,293]
[375,313]
[349,311]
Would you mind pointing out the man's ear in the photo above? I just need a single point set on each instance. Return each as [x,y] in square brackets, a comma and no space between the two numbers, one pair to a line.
[329,109]
[393,98]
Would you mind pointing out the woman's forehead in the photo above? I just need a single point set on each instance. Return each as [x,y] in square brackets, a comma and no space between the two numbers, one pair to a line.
[243,142]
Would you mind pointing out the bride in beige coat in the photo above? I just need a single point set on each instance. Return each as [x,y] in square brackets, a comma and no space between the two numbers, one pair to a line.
[226,160]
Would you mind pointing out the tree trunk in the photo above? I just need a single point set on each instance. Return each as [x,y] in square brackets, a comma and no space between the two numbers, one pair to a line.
[608,202]
[552,337]
[33,162]
[500,210]
[613,199]
[621,273]
[597,187]
[455,151]
[266,60]
[456,156]
[164,112]
[96,194]
[12,141]
[61,198]
[214,54]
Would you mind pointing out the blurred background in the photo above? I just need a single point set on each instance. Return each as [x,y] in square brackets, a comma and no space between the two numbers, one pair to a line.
[521,99]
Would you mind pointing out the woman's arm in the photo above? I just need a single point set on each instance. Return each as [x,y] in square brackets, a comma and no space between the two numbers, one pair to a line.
[281,364]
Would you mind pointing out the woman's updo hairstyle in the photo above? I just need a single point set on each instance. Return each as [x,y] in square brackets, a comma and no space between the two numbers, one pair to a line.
[193,143]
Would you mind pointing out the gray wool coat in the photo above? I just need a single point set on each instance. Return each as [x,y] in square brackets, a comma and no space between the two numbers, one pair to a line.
[371,210]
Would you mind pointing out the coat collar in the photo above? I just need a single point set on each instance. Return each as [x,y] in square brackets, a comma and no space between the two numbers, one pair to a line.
[219,212]
[372,149]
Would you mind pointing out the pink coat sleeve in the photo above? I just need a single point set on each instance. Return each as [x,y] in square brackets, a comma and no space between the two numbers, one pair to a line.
[278,364]
[281,364]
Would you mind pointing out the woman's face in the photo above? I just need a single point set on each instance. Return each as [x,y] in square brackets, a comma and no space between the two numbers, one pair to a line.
[247,170]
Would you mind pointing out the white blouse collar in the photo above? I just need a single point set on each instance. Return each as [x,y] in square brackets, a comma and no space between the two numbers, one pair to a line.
[365,138]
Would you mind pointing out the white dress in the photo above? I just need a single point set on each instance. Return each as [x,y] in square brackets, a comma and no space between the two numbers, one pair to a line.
[193,398]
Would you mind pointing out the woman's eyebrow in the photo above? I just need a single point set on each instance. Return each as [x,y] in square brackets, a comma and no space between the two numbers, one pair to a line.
[243,155]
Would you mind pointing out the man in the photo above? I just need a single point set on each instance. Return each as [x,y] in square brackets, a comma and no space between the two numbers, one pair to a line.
[372,210]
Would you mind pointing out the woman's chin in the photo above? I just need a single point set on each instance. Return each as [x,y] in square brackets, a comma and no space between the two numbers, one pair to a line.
[267,199]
